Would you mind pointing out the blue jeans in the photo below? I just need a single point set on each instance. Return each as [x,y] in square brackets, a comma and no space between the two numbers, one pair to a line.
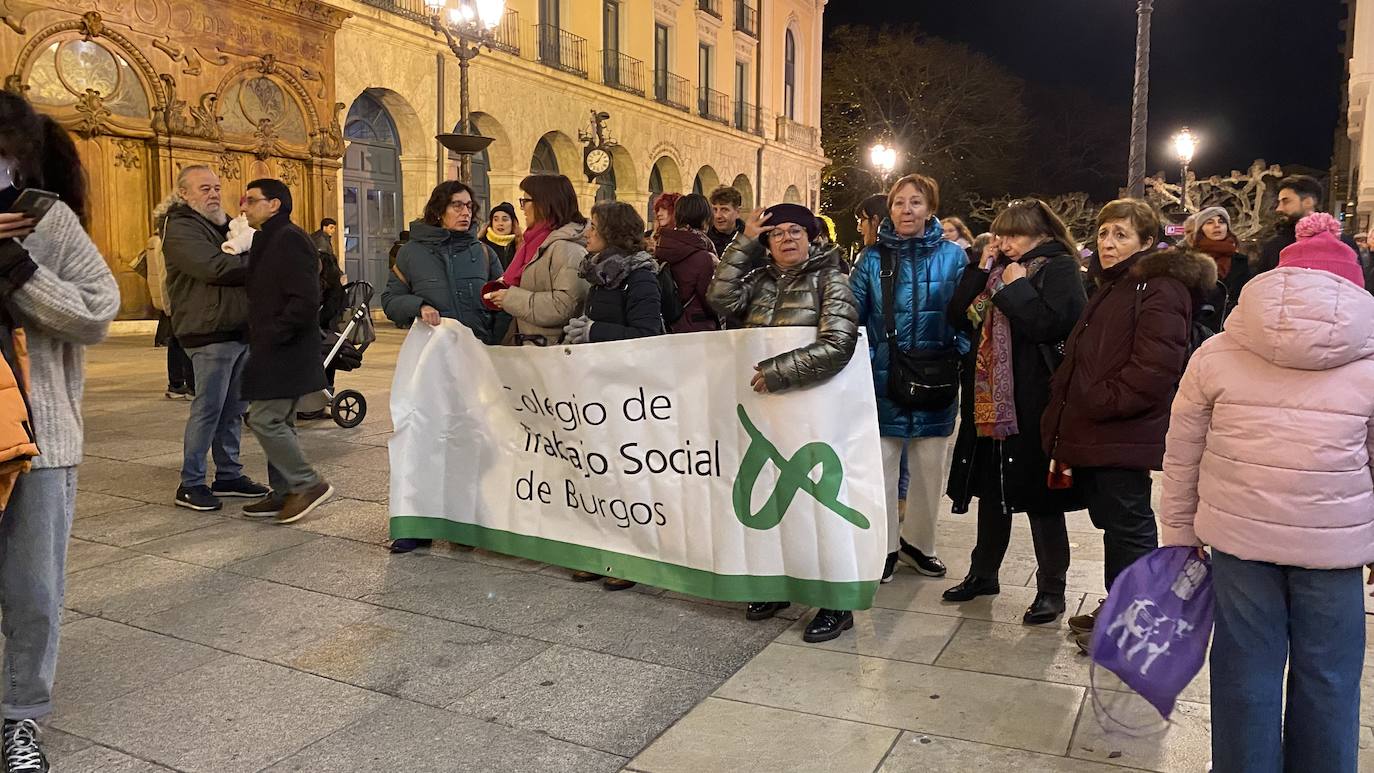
[216,421]
[1310,619]
[33,563]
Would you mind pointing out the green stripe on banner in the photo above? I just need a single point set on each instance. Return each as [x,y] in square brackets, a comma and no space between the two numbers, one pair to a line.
[694,582]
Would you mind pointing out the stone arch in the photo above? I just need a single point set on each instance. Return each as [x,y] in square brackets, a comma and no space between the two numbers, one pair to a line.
[792,195]
[413,138]
[746,191]
[706,181]
[669,173]
[565,151]
[626,175]
[500,153]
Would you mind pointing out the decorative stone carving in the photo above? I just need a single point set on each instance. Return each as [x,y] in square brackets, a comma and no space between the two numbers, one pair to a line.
[329,142]
[95,117]
[203,121]
[14,12]
[290,173]
[265,143]
[15,84]
[127,155]
[229,168]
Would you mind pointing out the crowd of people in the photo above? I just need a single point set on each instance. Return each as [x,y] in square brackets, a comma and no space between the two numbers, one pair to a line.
[1069,376]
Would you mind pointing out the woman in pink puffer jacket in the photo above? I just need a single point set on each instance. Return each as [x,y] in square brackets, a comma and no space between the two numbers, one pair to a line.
[1268,461]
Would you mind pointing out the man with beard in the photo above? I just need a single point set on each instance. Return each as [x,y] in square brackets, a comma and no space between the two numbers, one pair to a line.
[1299,196]
[205,286]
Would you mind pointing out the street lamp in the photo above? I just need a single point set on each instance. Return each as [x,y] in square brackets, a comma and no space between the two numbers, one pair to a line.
[469,25]
[1185,145]
[1135,175]
[884,160]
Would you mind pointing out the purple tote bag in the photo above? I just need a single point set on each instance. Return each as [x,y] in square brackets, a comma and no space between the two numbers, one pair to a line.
[1152,631]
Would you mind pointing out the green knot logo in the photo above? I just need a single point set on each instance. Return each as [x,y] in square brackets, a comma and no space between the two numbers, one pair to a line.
[793,475]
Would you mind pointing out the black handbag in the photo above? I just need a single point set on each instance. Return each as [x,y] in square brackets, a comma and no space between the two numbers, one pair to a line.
[919,380]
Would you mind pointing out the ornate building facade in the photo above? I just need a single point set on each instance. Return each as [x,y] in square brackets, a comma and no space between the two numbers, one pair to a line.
[1355,155]
[343,101]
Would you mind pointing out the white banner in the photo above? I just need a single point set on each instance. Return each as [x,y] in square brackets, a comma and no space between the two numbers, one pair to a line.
[649,460]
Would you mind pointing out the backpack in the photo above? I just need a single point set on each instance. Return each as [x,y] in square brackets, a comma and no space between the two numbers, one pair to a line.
[668,297]
[18,446]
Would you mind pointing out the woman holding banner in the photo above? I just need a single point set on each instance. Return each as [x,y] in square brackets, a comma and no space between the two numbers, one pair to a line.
[624,301]
[773,275]
[902,284]
[541,288]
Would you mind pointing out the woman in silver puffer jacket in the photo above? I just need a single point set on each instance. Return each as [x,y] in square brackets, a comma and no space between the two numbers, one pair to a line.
[774,275]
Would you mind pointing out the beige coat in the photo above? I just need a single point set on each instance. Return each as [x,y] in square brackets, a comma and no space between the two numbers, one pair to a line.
[551,292]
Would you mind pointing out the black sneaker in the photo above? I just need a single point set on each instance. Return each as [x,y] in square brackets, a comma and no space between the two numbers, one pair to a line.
[890,568]
[23,753]
[828,624]
[244,487]
[763,610]
[197,498]
[930,566]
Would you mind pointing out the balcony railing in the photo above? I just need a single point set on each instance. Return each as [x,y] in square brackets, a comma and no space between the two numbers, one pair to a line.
[622,72]
[796,134]
[746,18]
[710,6]
[561,49]
[713,105]
[411,9]
[672,90]
[746,118]
[506,36]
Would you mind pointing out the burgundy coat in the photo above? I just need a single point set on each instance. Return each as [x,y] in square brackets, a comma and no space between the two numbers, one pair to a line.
[1110,399]
[691,259]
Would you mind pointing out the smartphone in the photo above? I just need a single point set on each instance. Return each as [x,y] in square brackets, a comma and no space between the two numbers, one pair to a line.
[34,203]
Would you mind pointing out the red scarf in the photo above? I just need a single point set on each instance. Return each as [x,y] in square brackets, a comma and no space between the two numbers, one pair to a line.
[1221,251]
[529,247]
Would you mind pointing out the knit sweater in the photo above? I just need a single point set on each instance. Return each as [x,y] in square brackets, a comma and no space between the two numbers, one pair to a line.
[66,305]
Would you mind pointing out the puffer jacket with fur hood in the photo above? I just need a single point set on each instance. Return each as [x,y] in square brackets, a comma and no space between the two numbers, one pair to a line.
[1109,402]
[1272,433]
[750,290]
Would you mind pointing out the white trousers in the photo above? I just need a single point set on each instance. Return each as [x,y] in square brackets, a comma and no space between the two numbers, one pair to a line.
[926,464]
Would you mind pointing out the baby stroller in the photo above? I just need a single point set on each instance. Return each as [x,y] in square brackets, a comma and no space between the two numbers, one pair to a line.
[344,351]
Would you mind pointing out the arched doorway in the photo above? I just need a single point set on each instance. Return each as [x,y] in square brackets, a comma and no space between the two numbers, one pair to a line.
[372,211]
[605,185]
[792,195]
[544,160]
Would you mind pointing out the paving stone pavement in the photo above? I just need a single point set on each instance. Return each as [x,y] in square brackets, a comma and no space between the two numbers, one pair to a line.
[209,642]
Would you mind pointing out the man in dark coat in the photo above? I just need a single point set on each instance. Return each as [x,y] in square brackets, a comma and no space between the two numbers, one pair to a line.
[284,360]
[725,221]
[1299,196]
[324,238]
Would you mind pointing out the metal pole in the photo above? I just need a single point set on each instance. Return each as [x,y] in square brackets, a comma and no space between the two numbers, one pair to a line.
[1186,208]
[1135,178]
[465,160]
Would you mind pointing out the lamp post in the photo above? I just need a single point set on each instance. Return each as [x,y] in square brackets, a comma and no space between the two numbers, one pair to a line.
[1185,145]
[469,26]
[1140,101]
[884,160]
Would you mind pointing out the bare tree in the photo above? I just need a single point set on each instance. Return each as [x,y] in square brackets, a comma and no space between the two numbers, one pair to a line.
[1247,195]
[1077,211]
[952,113]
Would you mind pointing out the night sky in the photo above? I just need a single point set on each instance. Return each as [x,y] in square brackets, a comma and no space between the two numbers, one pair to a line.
[1254,78]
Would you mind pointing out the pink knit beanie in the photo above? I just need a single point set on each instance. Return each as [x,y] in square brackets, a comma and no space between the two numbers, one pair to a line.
[1319,247]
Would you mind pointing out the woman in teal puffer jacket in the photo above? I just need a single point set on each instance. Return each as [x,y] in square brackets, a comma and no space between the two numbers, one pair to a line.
[928,270]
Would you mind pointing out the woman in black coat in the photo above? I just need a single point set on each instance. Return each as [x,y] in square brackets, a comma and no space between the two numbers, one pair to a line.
[1018,308]
[624,300]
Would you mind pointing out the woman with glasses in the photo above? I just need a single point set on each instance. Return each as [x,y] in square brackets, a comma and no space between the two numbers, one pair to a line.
[773,275]
[439,274]
[912,261]
[541,288]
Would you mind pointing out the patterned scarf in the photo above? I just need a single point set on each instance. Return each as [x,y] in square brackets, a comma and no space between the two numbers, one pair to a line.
[994,385]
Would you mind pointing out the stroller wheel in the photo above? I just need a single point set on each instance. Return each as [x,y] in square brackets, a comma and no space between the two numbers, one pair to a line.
[349,408]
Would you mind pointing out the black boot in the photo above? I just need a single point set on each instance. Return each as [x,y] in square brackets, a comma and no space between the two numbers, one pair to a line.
[828,624]
[971,588]
[408,544]
[1046,608]
[763,610]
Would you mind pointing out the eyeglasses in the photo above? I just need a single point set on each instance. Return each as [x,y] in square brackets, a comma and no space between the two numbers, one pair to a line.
[248,201]
[795,233]
[460,206]
[524,200]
